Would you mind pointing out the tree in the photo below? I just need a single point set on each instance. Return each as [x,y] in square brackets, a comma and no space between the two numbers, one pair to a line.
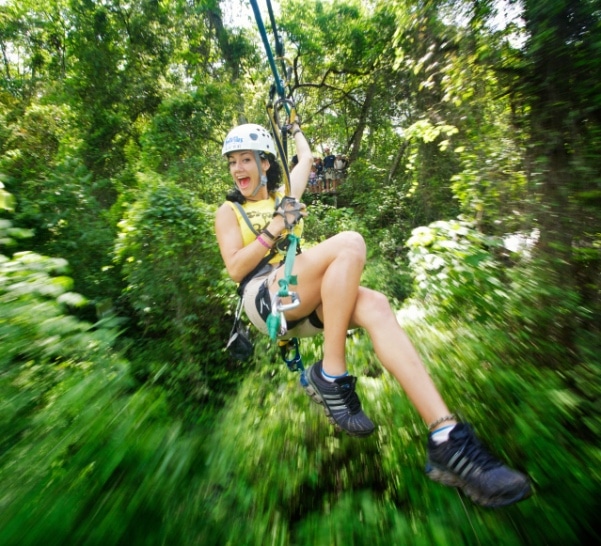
[561,85]
[173,273]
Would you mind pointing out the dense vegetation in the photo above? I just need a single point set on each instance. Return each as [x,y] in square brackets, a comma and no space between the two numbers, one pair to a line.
[473,130]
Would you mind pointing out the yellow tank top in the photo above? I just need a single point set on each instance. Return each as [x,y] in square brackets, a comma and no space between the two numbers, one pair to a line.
[258,215]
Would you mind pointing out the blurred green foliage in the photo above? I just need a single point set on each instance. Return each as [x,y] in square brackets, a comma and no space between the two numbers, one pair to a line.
[88,458]
[175,286]
[134,426]
[455,269]
[82,452]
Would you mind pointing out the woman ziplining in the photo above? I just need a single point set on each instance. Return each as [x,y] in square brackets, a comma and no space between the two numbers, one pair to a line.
[332,301]
[257,216]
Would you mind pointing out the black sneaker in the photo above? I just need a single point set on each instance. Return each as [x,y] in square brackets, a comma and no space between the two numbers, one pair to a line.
[340,401]
[461,461]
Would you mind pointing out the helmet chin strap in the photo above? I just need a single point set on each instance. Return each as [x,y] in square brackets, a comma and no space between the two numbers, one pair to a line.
[263,176]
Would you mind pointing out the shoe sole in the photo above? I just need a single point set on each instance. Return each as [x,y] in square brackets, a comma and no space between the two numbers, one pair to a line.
[316,397]
[312,391]
[445,477]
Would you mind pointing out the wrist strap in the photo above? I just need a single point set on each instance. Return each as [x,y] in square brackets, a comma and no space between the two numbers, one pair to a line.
[265,231]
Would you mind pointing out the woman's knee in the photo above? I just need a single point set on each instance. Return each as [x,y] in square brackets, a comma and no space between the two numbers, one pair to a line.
[352,244]
[371,307]
[377,301]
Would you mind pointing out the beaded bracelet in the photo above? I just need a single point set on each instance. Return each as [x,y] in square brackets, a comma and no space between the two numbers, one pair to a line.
[441,420]
[262,241]
[294,133]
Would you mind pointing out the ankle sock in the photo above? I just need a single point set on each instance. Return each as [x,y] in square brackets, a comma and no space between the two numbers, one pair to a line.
[332,378]
[442,434]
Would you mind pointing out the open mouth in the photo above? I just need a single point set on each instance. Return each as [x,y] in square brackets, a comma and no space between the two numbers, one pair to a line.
[243,183]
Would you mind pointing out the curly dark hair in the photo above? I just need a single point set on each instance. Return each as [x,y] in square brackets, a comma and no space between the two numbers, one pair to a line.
[274,180]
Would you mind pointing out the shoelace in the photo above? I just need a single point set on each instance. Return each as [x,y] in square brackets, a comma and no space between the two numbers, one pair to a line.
[346,388]
[475,452]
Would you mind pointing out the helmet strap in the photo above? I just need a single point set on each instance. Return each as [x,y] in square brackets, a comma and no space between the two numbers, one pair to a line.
[263,176]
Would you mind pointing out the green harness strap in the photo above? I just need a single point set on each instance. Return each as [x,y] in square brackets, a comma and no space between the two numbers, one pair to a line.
[289,278]
[276,317]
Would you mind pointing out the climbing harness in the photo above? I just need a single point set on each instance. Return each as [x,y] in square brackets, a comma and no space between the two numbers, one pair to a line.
[282,115]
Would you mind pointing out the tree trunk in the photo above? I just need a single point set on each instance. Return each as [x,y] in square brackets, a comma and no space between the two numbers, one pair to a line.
[355,144]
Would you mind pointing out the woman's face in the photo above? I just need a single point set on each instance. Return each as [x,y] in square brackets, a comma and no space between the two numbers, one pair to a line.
[244,171]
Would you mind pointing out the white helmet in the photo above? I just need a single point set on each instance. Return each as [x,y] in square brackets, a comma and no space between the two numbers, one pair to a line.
[248,137]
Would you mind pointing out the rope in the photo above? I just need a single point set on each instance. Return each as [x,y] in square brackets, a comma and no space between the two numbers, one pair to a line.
[279,86]
[278,82]
[279,46]
[276,321]
[280,145]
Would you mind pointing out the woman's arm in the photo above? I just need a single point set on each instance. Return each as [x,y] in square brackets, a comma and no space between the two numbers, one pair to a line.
[300,175]
[240,260]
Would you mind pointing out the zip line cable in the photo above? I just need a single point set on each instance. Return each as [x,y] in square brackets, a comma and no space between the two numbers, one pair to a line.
[276,321]
[279,46]
[279,83]
[279,87]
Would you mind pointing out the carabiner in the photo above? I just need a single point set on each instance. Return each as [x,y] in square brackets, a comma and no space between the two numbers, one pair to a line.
[295,363]
[290,107]
[277,325]
[295,302]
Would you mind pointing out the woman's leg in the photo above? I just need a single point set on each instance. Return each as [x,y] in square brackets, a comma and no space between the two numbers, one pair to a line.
[328,278]
[455,455]
[397,354]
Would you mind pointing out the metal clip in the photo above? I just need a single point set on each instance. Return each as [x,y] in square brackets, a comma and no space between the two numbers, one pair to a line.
[288,105]
[289,349]
[281,307]
[283,325]
[278,313]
